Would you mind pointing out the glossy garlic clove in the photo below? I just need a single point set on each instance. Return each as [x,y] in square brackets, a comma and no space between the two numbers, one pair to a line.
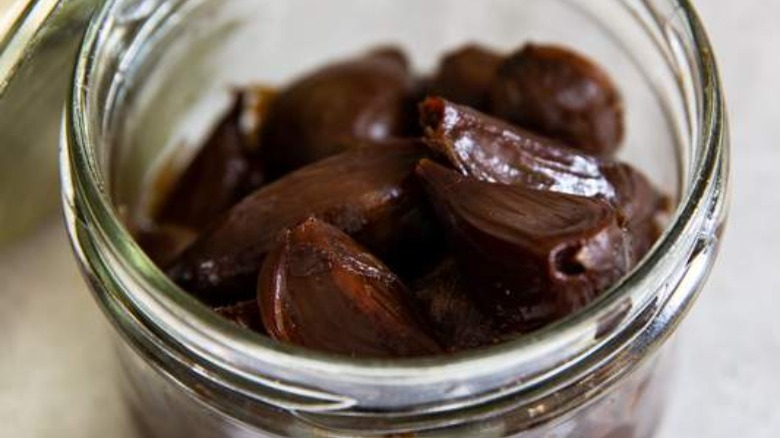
[560,93]
[319,289]
[225,169]
[491,150]
[321,114]
[369,193]
[245,314]
[465,76]
[530,256]
[451,312]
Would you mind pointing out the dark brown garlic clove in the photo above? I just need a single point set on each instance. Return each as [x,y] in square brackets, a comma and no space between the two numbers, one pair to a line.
[369,193]
[322,113]
[164,243]
[491,150]
[319,289]
[644,234]
[454,318]
[223,171]
[245,314]
[560,93]
[640,203]
[465,76]
[530,256]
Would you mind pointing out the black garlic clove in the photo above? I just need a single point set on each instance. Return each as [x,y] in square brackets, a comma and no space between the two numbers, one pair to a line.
[492,150]
[164,243]
[369,193]
[319,289]
[530,257]
[454,318]
[245,314]
[465,76]
[322,113]
[225,169]
[560,93]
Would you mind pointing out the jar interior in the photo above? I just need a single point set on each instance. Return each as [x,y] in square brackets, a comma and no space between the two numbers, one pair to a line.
[188,56]
[163,72]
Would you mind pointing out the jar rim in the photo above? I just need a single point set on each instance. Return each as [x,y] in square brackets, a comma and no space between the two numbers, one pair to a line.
[174,317]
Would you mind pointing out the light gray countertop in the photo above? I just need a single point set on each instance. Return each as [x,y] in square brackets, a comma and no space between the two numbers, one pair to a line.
[57,365]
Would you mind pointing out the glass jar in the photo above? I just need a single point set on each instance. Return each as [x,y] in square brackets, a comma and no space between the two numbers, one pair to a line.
[152,73]
[38,44]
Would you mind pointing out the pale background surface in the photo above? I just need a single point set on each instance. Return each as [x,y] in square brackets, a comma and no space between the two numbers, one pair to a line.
[57,365]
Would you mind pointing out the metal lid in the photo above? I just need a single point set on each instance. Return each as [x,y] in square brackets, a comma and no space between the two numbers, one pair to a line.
[38,44]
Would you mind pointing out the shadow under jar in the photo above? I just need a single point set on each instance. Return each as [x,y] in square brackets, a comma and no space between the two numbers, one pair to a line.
[152,78]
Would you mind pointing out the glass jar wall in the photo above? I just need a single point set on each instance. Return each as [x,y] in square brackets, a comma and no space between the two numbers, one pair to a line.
[153,74]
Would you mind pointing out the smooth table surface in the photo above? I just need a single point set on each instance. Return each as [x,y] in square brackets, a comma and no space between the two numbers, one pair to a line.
[57,366]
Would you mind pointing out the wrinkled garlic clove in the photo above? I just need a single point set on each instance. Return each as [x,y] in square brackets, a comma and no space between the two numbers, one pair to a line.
[530,256]
[562,94]
[319,289]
